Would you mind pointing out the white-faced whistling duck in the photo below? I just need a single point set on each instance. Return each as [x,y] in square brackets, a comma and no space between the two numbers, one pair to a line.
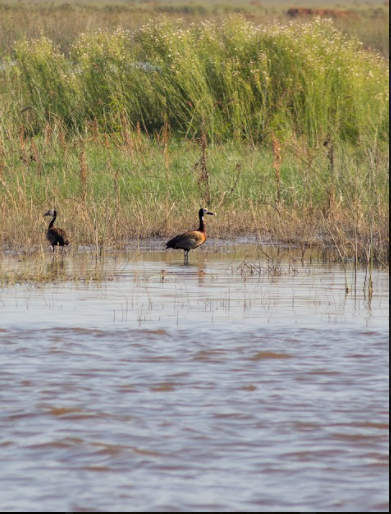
[191,240]
[55,236]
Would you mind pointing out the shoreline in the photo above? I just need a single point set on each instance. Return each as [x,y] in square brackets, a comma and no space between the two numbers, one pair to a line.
[213,246]
[241,256]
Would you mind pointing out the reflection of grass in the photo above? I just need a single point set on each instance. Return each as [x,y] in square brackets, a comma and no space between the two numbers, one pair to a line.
[221,259]
[39,268]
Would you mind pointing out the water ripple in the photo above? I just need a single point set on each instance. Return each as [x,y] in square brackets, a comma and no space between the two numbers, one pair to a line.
[202,392]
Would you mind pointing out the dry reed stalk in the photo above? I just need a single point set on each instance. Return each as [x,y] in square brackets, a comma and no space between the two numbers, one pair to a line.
[329,144]
[48,134]
[204,178]
[166,152]
[35,157]
[227,194]
[340,244]
[370,285]
[62,138]
[22,140]
[11,197]
[83,172]
[117,191]
[95,131]
[368,281]
[2,159]
[277,159]
[166,140]
[310,160]
[125,134]
[255,218]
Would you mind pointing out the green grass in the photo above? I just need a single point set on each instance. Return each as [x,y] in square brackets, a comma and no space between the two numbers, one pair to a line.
[140,188]
[281,129]
[231,81]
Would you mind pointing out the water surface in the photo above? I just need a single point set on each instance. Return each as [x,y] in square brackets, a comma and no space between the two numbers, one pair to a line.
[230,384]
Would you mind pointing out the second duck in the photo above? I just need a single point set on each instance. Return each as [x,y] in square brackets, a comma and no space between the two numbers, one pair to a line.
[55,236]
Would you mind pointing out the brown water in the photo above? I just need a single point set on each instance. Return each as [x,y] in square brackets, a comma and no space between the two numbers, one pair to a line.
[172,388]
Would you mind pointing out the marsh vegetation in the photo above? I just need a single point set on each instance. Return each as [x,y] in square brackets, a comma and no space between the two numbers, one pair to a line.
[256,374]
[282,129]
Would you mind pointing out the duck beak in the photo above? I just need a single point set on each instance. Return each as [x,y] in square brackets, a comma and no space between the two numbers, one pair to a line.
[211,214]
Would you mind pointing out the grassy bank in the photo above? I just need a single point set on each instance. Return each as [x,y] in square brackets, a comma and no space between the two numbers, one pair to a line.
[282,130]
[111,190]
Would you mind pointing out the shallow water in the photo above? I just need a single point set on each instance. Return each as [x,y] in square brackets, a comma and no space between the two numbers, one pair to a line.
[207,387]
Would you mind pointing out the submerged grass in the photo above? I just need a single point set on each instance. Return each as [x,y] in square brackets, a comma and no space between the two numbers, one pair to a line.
[37,268]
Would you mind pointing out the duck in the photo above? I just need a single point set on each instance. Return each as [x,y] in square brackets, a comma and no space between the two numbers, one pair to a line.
[193,239]
[55,236]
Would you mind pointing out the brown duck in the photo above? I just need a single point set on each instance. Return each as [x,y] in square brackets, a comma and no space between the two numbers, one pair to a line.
[191,240]
[55,236]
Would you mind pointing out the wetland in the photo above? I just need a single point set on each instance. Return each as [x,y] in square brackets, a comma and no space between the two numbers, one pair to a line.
[234,383]
[256,378]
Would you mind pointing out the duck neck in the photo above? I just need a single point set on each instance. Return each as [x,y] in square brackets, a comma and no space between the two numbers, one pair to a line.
[52,222]
[202,225]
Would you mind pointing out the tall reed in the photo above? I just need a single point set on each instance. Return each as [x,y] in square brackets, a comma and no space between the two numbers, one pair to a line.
[232,80]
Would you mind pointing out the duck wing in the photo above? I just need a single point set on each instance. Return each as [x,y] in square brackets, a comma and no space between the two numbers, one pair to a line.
[58,236]
[187,241]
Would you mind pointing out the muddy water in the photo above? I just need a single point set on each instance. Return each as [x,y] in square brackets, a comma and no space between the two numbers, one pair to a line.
[219,386]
